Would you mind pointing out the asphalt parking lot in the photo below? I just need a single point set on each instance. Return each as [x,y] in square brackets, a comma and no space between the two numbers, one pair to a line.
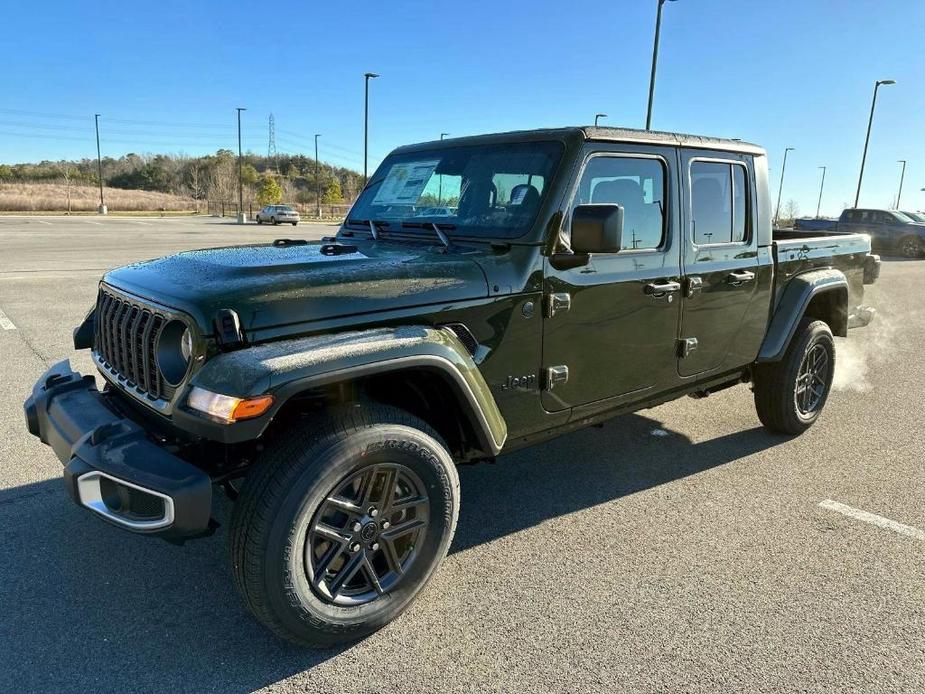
[678,548]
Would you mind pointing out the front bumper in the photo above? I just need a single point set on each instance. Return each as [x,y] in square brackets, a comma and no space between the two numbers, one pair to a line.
[111,466]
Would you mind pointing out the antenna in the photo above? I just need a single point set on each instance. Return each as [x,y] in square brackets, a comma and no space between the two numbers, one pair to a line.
[271,146]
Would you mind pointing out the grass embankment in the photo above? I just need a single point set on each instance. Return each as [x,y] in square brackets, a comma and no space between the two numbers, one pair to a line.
[51,198]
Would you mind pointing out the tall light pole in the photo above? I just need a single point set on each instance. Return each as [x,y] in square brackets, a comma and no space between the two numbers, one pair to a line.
[440,180]
[870,123]
[899,195]
[317,180]
[819,204]
[99,163]
[241,217]
[368,76]
[658,27]
[780,190]
[598,116]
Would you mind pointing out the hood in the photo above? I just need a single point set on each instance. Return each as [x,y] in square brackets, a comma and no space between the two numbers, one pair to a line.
[275,285]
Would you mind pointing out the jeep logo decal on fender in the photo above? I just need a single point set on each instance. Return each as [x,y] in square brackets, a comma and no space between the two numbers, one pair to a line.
[527,382]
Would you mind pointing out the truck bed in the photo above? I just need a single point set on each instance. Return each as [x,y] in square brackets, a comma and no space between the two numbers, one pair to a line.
[796,251]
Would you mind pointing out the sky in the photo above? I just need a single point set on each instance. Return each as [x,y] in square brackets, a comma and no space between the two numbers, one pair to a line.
[166,77]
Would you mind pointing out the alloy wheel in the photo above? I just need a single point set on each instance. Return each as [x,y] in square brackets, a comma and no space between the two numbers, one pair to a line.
[812,380]
[366,534]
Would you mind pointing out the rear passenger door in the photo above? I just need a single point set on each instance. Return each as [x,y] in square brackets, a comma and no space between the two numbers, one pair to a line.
[720,260]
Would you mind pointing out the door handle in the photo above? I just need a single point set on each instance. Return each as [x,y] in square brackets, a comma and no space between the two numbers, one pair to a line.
[657,289]
[737,278]
[694,286]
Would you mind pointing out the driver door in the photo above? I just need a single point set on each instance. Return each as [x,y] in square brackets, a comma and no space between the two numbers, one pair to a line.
[607,325]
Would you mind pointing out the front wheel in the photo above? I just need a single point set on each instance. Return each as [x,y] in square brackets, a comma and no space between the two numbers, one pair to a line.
[258,220]
[294,223]
[790,394]
[910,247]
[342,523]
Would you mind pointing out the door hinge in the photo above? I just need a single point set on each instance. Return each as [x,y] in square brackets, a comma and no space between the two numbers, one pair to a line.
[556,376]
[686,346]
[557,303]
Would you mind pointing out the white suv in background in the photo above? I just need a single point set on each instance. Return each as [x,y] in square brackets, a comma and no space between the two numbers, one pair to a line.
[277,214]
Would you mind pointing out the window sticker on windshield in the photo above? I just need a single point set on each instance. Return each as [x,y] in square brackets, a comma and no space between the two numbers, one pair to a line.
[405,183]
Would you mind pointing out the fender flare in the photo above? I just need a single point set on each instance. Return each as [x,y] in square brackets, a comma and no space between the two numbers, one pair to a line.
[791,308]
[286,368]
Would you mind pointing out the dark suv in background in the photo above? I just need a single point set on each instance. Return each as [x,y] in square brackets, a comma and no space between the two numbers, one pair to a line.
[890,230]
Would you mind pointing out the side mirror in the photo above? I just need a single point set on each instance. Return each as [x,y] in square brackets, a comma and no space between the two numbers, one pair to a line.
[597,228]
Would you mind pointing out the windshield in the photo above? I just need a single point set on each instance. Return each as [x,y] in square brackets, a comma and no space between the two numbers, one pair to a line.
[915,216]
[480,190]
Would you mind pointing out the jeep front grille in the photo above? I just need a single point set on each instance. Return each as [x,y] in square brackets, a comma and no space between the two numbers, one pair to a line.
[125,342]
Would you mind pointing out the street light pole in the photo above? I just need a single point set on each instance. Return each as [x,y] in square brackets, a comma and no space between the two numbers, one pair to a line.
[99,163]
[241,217]
[819,204]
[780,190]
[317,180]
[870,123]
[598,116]
[658,27]
[368,76]
[899,195]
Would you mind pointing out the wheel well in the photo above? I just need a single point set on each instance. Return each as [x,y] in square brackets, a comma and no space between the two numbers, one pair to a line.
[832,307]
[426,393]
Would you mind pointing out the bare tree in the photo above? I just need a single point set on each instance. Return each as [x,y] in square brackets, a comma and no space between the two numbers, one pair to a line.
[67,174]
[791,211]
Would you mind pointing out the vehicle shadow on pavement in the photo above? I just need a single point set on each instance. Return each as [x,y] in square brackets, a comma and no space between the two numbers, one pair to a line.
[587,468]
[82,602]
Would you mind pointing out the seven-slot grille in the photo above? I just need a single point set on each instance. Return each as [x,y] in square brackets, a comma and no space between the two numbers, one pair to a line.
[126,341]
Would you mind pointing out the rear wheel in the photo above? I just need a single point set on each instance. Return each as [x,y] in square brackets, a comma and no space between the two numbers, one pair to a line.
[294,223]
[910,247]
[342,523]
[273,221]
[790,394]
[259,221]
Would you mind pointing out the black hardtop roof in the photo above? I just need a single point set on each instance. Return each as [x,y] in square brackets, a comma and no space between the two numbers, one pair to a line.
[590,132]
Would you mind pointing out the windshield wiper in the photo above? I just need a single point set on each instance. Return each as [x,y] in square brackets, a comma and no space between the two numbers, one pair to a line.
[444,239]
[373,225]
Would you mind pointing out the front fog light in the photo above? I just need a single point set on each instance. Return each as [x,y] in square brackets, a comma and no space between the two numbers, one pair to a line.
[227,408]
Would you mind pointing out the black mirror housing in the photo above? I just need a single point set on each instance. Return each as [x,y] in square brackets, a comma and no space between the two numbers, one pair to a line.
[597,228]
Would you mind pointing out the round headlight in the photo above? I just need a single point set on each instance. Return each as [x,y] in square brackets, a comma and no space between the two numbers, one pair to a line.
[186,344]
[174,348]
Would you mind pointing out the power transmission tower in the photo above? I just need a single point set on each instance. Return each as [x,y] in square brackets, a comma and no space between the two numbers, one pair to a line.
[272,154]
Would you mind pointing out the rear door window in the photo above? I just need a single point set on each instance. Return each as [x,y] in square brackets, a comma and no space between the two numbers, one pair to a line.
[719,202]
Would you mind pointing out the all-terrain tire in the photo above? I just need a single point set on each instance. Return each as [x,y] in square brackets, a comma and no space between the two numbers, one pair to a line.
[775,384]
[282,497]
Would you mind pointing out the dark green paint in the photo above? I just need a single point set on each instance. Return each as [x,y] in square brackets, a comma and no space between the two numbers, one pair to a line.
[310,317]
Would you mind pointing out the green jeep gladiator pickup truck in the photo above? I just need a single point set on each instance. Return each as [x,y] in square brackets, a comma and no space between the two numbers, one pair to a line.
[332,387]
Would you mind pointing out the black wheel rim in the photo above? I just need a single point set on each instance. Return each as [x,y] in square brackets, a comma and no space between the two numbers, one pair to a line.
[366,534]
[812,380]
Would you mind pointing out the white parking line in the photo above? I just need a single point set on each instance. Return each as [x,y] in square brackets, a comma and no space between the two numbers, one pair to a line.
[42,221]
[873,519]
[5,322]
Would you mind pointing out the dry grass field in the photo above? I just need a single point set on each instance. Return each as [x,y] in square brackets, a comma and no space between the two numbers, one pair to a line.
[53,197]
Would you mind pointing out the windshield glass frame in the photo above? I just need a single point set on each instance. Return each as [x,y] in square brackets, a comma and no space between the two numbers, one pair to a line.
[399,199]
